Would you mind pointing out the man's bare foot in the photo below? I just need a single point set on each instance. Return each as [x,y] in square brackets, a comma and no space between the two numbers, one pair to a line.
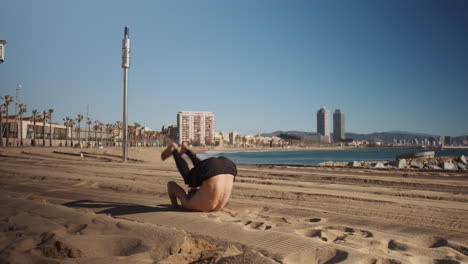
[168,151]
[183,148]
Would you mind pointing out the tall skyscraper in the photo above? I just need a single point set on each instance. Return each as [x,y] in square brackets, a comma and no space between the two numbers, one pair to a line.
[323,122]
[196,127]
[338,126]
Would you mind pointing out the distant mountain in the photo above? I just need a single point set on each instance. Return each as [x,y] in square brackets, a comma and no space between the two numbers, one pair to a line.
[389,136]
[377,136]
[291,132]
[411,133]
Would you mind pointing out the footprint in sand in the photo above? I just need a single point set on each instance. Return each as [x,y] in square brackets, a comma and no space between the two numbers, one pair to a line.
[214,217]
[433,242]
[75,228]
[383,261]
[319,255]
[51,247]
[430,249]
[308,232]
[334,233]
[104,245]
[315,220]
[428,241]
[446,261]
[463,250]
[395,245]
[122,226]
[257,225]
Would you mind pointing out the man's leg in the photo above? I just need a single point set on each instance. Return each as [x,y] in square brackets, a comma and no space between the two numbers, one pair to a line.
[168,151]
[181,164]
[192,177]
[175,191]
[199,202]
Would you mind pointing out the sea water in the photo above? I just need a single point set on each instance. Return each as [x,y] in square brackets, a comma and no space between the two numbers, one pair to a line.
[314,157]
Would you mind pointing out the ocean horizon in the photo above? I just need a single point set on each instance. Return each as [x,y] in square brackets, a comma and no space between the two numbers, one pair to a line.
[314,157]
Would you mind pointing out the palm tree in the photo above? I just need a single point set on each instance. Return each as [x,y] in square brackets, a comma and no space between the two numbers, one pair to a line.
[119,126]
[108,131]
[50,125]
[96,127]
[78,120]
[71,124]
[66,121]
[2,111]
[8,99]
[22,109]
[151,135]
[101,126]
[35,117]
[131,132]
[88,122]
[45,115]
[137,131]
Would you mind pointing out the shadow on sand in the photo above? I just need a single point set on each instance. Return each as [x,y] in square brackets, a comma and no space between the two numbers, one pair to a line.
[117,209]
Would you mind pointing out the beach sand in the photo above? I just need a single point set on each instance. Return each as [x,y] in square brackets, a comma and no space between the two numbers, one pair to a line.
[61,207]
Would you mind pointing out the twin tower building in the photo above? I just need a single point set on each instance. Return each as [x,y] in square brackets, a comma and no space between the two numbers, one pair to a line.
[323,124]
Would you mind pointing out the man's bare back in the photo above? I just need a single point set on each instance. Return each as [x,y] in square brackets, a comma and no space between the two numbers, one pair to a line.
[214,189]
[212,195]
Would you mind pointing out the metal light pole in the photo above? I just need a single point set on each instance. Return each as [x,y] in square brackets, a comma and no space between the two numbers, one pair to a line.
[2,50]
[125,66]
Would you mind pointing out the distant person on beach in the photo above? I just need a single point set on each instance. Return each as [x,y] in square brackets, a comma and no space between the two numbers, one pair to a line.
[210,180]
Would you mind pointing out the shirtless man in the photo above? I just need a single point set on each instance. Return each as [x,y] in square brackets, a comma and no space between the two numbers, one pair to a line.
[210,180]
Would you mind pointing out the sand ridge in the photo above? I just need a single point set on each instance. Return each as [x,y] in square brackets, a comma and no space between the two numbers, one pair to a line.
[95,209]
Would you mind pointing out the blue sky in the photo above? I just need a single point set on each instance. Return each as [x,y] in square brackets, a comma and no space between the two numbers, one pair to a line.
[260,66]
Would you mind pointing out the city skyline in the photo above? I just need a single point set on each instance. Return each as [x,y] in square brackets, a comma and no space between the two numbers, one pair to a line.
[259,66]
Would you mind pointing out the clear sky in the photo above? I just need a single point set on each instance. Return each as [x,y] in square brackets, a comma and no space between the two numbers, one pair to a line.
[260,66]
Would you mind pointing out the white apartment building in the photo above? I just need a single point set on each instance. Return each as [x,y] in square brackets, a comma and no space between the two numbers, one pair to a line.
[233,138]
[196,127]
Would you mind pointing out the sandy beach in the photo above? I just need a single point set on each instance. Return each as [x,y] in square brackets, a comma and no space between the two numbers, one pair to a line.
[63,207]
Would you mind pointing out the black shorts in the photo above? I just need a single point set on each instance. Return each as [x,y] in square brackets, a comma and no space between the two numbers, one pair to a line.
[209,168]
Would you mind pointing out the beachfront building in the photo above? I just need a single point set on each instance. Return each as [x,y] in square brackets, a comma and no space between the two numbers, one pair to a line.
[234,138]
[26,132]
[170,130]
[165,128]
[218,139]
[225,137]
[338,126]
[221,139]
[196,127]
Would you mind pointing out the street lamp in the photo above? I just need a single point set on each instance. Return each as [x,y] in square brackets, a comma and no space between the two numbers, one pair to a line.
[2,48]
[125,66]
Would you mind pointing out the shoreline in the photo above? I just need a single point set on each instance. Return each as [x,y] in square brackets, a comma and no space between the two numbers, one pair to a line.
[364,158]
[261,149]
